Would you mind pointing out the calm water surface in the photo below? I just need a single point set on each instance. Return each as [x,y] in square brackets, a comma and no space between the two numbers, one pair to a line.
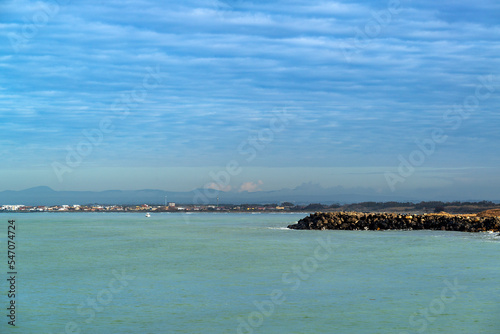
[244,273]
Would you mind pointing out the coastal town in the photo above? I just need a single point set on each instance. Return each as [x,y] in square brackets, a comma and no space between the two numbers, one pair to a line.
[170,207]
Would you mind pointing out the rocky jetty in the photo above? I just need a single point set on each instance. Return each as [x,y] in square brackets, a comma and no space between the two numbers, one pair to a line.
[394,221]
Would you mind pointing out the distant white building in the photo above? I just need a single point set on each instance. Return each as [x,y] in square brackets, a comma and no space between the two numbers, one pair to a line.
[11,207]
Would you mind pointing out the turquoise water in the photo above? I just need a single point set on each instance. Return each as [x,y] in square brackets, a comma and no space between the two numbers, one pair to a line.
[244,273]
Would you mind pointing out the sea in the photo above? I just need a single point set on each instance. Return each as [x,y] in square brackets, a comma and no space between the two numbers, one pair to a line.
[241,273]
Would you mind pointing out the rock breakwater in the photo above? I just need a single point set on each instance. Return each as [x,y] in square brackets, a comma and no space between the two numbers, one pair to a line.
[394,221]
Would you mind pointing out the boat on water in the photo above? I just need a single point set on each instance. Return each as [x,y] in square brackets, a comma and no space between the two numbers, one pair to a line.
[148,215]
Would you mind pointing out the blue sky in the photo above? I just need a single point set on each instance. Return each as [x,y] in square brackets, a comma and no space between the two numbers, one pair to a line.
[140,94]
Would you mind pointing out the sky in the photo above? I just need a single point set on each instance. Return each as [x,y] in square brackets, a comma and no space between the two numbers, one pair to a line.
[392,97]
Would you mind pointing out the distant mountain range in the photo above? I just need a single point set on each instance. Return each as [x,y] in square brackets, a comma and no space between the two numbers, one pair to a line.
[303,194]
[307,193]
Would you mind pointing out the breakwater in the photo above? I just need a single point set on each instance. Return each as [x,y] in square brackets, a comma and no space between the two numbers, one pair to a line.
[394,221]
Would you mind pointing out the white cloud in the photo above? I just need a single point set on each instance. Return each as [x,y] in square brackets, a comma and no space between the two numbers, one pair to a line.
[219,187]
[224,74]
[251,186]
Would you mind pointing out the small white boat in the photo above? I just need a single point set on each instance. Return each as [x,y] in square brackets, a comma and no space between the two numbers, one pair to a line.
[148,215]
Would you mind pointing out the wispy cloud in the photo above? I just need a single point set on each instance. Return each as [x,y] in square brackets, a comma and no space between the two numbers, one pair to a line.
[228,64]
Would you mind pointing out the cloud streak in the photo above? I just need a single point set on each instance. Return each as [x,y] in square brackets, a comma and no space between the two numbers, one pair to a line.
[227,67]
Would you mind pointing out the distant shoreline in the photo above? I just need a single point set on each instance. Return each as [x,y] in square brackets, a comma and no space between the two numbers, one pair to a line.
[466,208]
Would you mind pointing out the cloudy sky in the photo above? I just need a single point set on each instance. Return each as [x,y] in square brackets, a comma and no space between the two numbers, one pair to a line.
[395,97]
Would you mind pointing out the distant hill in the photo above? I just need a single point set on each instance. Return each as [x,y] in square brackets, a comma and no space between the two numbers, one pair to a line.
[304,194]
[307,193]
[48,196]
